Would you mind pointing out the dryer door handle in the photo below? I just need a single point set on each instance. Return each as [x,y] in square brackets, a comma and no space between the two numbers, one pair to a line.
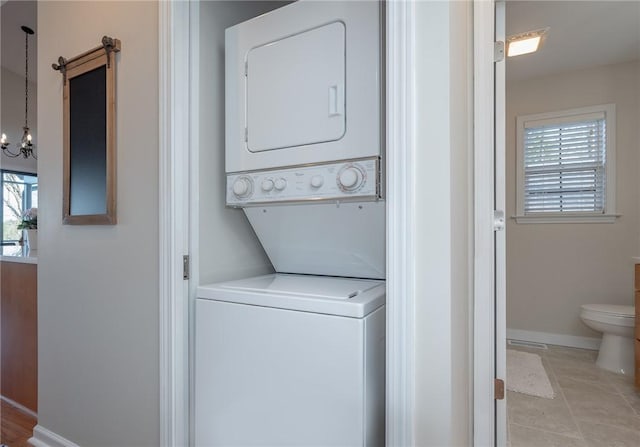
[336,100]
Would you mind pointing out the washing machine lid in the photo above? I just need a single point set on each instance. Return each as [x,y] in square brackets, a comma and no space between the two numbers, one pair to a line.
[612,309]
[319,294]
[304,285]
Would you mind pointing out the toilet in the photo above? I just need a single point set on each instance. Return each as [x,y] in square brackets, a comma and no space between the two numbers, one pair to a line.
[617,324]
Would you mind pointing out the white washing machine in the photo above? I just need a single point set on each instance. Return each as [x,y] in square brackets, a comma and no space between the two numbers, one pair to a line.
[290,360]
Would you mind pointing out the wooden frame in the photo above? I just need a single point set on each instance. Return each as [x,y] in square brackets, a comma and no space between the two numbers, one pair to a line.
[89,100]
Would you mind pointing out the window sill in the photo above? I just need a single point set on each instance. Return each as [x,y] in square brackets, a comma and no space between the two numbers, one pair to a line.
[589,218]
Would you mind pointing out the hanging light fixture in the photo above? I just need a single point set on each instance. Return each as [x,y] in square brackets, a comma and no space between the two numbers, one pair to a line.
[25,147]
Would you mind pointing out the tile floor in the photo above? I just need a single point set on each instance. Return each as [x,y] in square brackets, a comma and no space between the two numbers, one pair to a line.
[592,407]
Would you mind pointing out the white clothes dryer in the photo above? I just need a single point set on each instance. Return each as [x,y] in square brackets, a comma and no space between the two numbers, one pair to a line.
[303,86]
[290,360]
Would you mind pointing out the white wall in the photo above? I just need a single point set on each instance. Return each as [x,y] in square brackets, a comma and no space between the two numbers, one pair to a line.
[229,248]
[444,222]
[554,268]
[12,96]
[98,285]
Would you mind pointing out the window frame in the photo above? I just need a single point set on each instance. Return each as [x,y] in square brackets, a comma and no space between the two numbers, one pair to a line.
[609,215]
[28,190]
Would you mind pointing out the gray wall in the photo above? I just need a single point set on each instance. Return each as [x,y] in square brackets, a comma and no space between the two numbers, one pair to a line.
[98,285]
[554,268]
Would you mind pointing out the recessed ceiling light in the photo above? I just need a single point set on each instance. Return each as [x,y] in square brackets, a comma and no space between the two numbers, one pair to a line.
[525,43]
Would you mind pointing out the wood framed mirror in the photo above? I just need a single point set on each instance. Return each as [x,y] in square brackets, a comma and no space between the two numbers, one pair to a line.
[89,102]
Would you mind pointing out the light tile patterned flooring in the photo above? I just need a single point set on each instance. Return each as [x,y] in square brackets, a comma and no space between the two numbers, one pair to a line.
[592,407]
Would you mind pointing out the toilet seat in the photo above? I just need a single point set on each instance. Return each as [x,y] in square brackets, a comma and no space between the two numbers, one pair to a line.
[614,310]
[611,314]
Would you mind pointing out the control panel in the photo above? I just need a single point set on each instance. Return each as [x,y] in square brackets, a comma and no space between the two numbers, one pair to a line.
[332,181]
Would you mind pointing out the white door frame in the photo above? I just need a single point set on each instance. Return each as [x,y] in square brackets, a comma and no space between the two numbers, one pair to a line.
[175,140]
[500,121]
[401,223]
[484,312]
[489,246]
[175,182]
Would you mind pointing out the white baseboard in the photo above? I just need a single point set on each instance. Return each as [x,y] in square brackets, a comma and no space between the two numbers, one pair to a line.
[46,438]
[20,407]
[572,341]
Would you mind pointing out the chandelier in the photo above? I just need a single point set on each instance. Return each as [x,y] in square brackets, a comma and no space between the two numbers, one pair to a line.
[25,147]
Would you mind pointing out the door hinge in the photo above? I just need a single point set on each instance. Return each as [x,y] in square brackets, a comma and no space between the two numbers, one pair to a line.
[498,220]
[246,68]
[498,51]
[185,267]
[498,389]
[246,134]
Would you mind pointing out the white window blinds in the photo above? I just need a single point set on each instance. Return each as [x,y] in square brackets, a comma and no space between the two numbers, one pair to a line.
[565,165]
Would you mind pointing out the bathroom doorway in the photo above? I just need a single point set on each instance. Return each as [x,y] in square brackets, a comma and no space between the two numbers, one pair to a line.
[556,263]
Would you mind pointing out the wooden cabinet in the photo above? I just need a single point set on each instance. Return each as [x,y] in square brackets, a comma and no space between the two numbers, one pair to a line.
[637,291]
[19,333]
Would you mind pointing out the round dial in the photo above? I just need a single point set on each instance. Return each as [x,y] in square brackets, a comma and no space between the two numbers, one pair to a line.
[317,181]
[350,178]
[280,184]
[267,185]
[242,187]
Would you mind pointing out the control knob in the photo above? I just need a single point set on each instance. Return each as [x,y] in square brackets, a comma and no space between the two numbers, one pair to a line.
[350,178]
[242,187]
[267,185]
[280,184]
[317,181]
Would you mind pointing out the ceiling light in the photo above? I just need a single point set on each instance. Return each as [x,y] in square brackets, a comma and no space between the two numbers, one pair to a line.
[25,146]
[525,43]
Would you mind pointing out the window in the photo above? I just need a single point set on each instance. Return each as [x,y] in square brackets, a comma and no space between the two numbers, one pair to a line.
[566,166]
[19,193]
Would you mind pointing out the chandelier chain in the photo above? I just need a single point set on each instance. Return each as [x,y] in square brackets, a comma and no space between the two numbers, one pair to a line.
[26,78]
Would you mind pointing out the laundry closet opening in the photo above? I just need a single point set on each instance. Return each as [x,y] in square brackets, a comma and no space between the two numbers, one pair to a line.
[288,343]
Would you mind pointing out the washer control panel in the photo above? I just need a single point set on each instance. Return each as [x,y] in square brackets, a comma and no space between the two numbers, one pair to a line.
[335,181]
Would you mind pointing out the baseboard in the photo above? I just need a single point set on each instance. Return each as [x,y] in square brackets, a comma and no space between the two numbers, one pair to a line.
[572,341]
[20,407]
[46,438]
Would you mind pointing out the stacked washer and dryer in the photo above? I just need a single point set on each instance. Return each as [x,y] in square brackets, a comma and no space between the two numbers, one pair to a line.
[298,357]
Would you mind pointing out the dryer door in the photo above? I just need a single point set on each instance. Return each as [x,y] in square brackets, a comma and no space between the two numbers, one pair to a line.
[295,90]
